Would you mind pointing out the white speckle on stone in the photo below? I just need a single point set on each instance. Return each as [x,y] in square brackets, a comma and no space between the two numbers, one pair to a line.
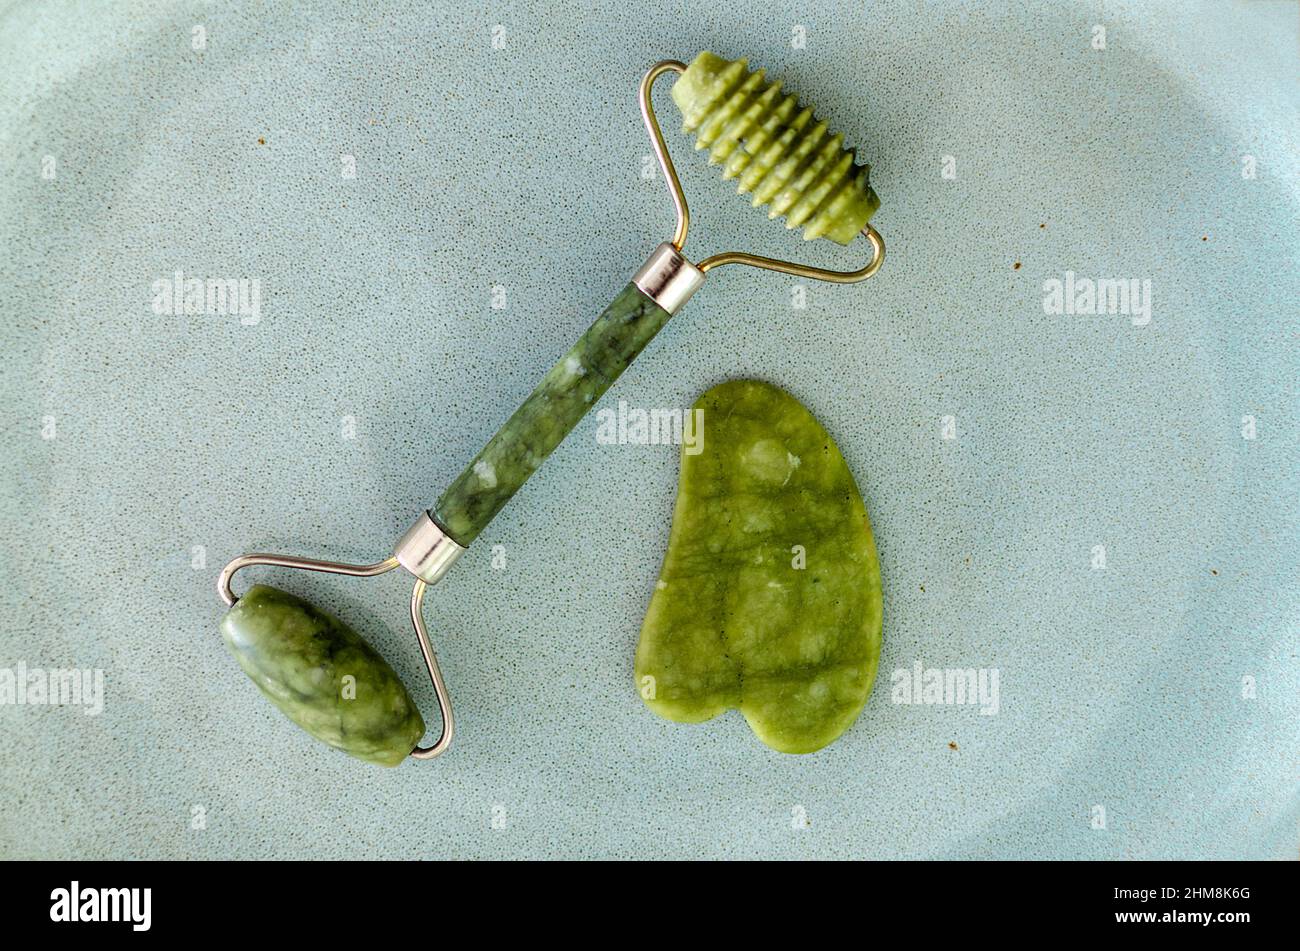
[573,367]
[486,474]
[792,461]
[660,584]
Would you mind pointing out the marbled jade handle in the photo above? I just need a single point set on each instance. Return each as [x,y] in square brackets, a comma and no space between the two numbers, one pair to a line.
[568,390]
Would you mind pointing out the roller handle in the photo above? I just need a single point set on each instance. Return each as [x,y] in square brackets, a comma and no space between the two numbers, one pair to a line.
[570,388]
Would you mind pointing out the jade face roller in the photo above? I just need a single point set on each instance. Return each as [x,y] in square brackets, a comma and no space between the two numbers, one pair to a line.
[323,675]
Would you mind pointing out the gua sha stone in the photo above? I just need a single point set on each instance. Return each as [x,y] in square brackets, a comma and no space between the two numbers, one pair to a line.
[769,596]
[299,656]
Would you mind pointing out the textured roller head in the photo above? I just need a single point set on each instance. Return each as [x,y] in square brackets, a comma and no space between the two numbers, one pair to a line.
[780,151]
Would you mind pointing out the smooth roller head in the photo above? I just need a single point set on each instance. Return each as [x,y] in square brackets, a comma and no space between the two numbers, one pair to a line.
[780,151]
[322,675]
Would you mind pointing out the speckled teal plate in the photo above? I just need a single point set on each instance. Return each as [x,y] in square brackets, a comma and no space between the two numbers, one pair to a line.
[435,204]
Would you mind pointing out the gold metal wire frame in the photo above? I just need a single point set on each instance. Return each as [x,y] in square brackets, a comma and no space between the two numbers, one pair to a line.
[736,257]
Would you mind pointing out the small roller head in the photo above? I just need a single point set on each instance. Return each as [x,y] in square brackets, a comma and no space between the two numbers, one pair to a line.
[780,151]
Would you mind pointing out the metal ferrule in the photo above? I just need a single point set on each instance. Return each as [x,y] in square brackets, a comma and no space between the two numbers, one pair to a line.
[667,278]
[426,551]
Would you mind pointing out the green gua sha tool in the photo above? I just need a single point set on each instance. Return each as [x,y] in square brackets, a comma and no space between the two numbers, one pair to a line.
[322,674]
[769,597]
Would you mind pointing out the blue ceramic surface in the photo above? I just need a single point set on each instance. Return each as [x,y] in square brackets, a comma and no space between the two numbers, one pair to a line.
[434,203]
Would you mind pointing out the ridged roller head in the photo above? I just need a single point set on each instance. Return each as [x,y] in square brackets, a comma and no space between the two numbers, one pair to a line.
[780,151]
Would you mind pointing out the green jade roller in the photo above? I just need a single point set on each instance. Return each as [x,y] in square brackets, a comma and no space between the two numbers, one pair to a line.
[320,672]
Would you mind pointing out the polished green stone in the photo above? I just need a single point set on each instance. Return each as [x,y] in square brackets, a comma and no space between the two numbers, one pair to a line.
[776,148]
[769,596]
[322,675]
[566,393]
